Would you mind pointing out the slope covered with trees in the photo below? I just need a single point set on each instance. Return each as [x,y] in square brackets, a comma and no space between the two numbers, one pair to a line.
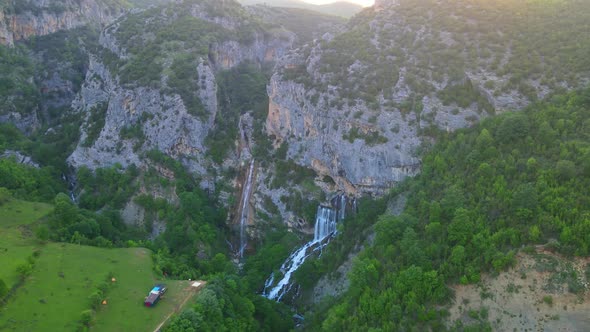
[484,192]
[527,46]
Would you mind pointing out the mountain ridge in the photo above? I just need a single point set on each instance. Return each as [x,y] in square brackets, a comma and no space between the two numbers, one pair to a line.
[338,8]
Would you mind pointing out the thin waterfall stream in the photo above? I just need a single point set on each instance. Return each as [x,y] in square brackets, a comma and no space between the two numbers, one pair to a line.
[244,214]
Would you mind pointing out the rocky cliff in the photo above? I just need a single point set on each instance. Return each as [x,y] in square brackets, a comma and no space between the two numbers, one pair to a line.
[163,120]
[380,152]
[175,112]
[356,105]
[20,21]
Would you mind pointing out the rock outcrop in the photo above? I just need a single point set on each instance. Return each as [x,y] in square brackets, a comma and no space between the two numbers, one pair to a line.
[322,133]
[19,158]
[163,119]
[42,17]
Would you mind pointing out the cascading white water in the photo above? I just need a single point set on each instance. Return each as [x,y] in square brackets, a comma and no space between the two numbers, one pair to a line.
[325,225]
[289,266]
[244,209]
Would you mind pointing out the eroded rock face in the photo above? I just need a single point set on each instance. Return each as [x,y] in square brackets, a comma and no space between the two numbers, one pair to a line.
[27,123]
[318,136]
[164,120]
[48,16]
[355,105]
[6,37]
[229,54]
[160,114]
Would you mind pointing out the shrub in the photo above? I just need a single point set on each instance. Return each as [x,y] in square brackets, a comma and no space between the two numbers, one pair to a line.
[548,299]
[24,270]
[86,317]
[3,289]
[5,196]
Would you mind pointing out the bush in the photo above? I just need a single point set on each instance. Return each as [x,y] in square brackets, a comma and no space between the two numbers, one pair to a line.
[3,289]
[86,317]
[548,299]
[5,196]
[42,233]
[95,299]
[24,270]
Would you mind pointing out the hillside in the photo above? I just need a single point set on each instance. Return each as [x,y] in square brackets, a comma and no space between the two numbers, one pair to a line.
[338,8]
[51,284]
[306,24]
[16,217]
[484,193]
[405,70]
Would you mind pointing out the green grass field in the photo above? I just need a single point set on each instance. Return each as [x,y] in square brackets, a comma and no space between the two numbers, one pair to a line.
[125,310]
[15,213]
[65,275]
[16,240]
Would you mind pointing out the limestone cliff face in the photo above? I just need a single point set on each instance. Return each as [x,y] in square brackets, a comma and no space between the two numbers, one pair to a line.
[160,113]
[228,54]
[6,37]
[48,16]
[317,137]
[357,104]
[164,121]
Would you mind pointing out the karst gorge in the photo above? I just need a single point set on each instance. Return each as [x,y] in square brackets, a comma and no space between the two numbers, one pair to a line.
[415,165]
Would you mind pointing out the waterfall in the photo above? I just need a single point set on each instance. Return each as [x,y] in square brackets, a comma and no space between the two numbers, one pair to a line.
[289,266]
[71,186]
[325,225]
[244,209]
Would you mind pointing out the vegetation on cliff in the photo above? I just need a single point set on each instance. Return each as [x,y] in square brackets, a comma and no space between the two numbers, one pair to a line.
[426,45]
[484,192]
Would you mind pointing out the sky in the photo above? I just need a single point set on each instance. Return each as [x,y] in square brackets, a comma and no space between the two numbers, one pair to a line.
[360,2]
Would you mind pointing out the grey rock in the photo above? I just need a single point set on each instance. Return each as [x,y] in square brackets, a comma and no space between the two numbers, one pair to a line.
[45,20]
[19,158]
[27,123]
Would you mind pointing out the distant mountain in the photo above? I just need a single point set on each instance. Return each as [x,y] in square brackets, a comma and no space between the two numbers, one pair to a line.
[306,24]
[340,8]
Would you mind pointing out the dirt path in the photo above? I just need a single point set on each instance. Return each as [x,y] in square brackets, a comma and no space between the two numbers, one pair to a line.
[190,291]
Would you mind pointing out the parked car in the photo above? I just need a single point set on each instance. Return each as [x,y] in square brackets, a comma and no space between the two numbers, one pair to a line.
[155,295]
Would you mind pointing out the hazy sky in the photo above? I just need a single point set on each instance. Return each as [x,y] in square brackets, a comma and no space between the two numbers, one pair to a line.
[360,2]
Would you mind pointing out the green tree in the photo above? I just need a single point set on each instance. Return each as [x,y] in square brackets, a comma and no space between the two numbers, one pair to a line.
[65,213]
[565,169]
[461,228]
[42,233]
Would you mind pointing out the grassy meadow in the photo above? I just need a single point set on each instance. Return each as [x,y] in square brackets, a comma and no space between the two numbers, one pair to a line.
[16,236]
[64,275]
